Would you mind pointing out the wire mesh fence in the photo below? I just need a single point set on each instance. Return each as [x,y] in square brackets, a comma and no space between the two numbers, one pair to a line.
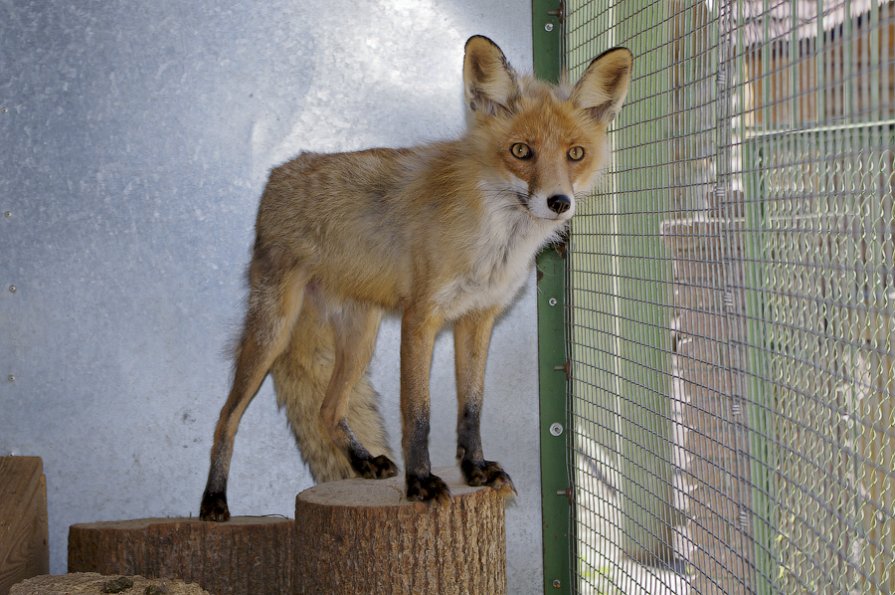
[731,302]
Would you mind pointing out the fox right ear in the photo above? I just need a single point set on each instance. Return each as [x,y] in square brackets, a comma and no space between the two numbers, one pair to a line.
[602,88]
[488,79]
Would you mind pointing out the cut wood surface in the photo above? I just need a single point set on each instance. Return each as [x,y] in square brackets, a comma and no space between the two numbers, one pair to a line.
[362,537]
[242,555]
[91,583]
[23,520]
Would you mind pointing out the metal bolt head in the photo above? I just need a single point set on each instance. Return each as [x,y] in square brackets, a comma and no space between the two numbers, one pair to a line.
[556,429]
[552,302]
[548,28]
[12,289]
[7,214]
[557,584]
[11,378]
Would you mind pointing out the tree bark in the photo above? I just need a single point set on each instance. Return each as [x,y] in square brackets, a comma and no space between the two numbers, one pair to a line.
[243,555]
[362,537]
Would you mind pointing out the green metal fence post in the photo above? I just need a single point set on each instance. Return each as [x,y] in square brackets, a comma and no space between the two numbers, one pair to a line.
[555,482]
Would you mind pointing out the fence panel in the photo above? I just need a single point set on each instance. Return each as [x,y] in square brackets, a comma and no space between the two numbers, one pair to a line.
[731,302]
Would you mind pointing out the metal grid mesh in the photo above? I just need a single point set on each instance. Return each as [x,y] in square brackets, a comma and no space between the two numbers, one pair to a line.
[731,317]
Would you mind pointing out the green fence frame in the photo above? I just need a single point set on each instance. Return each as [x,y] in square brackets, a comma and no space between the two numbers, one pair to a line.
[558,537]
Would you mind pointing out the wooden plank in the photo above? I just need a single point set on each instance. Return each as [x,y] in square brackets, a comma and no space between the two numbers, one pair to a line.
[23,520]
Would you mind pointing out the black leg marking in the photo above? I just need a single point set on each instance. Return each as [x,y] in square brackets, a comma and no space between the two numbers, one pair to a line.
[214,507]
[422,486]
[469,440]
[363,463]
[427,488]
[476,470]
[487,473]
[370,467]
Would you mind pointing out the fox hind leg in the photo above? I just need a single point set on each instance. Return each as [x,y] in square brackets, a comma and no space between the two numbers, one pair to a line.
[274,303]
[301,375]
[355,327]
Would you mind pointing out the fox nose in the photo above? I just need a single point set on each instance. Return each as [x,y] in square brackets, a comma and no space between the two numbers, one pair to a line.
[559,203]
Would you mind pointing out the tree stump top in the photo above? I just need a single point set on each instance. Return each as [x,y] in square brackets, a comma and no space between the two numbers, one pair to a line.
[137,524]
[380,493]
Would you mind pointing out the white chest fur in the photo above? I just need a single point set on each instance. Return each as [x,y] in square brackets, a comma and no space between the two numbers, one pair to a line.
[500,258]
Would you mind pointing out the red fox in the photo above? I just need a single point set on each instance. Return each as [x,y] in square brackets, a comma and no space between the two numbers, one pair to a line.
[443,234]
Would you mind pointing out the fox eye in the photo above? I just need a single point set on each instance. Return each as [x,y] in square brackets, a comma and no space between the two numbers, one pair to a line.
[520,151]
[576,153]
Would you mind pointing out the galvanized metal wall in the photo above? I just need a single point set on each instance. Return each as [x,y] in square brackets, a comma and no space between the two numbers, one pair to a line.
[136,137]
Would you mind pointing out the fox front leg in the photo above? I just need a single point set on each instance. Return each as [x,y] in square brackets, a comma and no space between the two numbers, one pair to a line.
[472,337]
[418,329]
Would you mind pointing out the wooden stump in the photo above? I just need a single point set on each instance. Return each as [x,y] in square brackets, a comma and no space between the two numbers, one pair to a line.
[23,520]
[361,537]
[91,583]
[243,555]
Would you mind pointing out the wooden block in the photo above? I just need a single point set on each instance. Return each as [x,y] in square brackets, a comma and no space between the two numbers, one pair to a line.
[361,536]
[243,555]
[23,520]
[91,583]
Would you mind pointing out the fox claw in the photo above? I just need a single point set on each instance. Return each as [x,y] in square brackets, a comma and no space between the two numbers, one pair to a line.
[379,467]
[427,488]
[488,473]
[214,507]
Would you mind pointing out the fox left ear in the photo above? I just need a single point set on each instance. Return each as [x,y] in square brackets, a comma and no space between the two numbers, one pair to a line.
[602,88]
[489,81]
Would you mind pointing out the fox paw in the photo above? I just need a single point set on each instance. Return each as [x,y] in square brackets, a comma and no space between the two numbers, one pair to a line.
[487,473]
[379,467]
[214,507]
[426,488]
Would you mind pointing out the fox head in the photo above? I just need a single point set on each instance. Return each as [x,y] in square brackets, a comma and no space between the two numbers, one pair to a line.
[543,144]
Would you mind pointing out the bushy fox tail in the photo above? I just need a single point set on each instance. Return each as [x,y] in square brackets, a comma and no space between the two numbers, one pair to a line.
[301,374]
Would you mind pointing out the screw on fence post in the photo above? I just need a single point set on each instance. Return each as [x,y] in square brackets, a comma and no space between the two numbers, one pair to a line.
[557,584]
[565,368]
[559,13]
